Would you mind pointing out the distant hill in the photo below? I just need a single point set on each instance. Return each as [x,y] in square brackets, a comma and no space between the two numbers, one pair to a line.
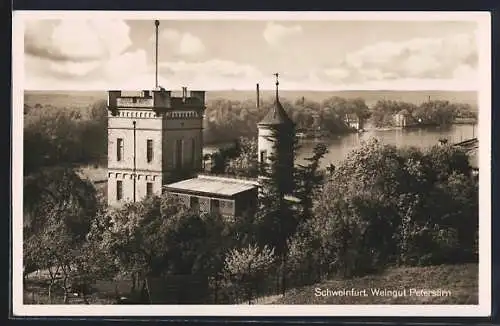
[370,97]
[85,98]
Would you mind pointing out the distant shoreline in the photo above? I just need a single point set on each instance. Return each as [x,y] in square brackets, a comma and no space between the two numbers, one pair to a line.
[421,126]
[370,96]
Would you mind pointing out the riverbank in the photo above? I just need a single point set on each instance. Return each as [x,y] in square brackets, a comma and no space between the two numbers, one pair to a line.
[423,126]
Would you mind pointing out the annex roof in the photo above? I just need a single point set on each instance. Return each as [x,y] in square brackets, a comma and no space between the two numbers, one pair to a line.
[223,186]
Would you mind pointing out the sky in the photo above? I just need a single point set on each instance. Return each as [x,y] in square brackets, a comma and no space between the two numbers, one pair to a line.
[103,54]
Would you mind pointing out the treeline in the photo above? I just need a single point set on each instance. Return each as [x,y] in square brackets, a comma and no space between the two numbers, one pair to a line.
[230,120]
[65,135]
[381,206]
[437,112]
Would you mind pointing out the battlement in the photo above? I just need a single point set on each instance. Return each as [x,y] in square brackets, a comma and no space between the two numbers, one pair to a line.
[158,100]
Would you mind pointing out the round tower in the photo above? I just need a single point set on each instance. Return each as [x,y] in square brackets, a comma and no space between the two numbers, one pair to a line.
[275,143]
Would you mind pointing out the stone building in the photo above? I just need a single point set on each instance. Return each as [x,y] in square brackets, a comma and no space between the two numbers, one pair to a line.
[156,144]
[153,139]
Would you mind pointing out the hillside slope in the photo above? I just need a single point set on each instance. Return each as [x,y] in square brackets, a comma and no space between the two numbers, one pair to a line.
[458,284]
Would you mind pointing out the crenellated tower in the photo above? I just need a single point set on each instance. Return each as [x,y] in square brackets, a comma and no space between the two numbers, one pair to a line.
[154,138]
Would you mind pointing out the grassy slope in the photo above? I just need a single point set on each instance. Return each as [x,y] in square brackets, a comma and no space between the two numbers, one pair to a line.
[461,280]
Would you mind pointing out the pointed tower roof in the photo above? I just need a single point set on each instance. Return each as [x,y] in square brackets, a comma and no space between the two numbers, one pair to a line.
[277,114]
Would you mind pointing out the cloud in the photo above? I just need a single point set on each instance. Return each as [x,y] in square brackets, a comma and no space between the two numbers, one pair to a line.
[97,54]
[72,49]
[204,75]
[76,40]
[42,73]
[337,73]
[276,34]
[185,44]
[446,58]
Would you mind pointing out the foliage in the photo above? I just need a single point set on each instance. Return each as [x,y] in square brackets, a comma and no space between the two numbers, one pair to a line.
[309,180]
[54,135]
[58,216]
[245,162]
[79,135]
[62,192]
[233,119]
[247,266]
[435,112]
[276,217]
[159,236]
[386,205]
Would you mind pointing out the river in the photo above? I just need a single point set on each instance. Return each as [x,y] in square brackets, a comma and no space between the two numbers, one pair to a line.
[340,146]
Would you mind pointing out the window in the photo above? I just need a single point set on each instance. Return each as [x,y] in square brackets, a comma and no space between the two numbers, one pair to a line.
[149,189]
[194,204]
[263,156]
[119,190]
[193,155]
[214,206]
[119,149]
[178,153]
[149,150]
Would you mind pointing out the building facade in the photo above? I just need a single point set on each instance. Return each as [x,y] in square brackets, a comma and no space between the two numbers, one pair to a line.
[153,139]
[353,121]
[155,145]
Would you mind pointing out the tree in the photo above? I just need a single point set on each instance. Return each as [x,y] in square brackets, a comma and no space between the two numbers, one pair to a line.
[54,135]
[276,216]
[245,162]
[309,180]
[217,239]
[248,266]
[388,205]
[59,207]
[158,237]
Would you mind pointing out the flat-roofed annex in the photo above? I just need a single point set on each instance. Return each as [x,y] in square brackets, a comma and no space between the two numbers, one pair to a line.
[214,185]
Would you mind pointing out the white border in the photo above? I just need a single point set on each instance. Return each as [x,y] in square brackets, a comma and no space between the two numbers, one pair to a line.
[484,47]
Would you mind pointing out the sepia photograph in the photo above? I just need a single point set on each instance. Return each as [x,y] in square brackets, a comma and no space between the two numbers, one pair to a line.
[251,163]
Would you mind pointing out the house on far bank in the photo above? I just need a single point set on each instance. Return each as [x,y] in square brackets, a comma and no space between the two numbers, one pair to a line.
[403,119]
[353,121]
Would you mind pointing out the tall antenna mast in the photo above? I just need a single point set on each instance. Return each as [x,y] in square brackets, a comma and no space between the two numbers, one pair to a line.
[157,23]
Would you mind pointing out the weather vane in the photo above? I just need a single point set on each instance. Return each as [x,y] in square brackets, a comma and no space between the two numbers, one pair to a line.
[277,83]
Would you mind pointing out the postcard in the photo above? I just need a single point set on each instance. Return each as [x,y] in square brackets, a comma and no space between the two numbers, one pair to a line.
[251,164]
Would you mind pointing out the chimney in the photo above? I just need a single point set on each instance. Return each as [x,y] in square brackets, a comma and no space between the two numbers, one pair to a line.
[112,99]
[258,96]
[184,93]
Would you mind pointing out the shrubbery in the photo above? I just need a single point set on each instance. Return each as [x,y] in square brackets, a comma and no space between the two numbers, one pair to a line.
[436,112]
[385,205]
[382,206]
